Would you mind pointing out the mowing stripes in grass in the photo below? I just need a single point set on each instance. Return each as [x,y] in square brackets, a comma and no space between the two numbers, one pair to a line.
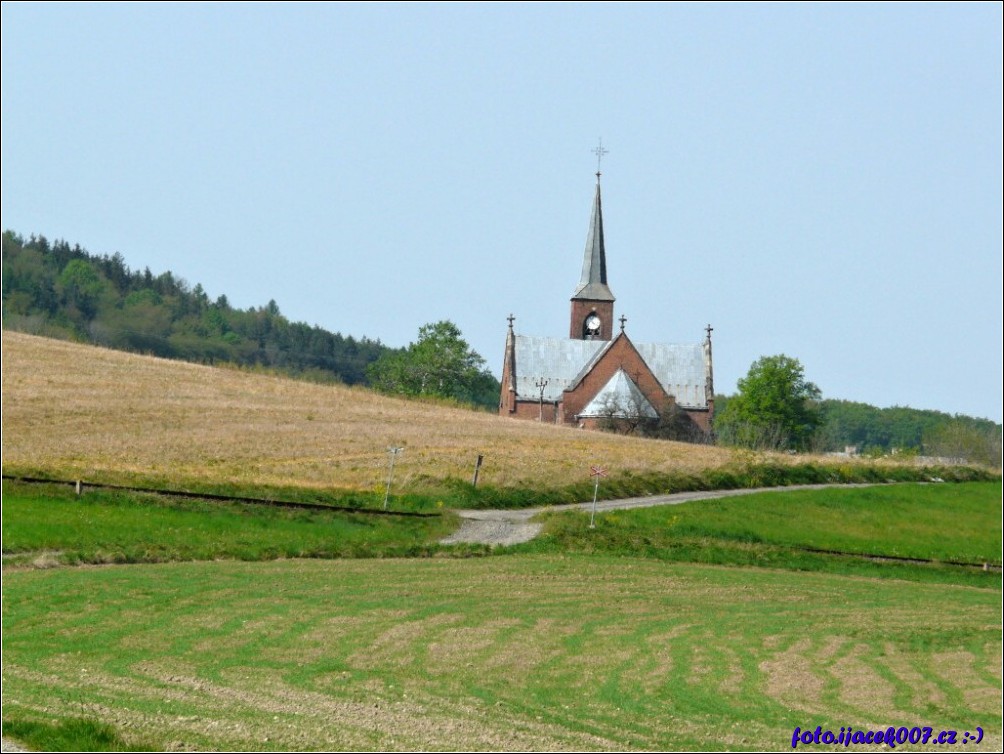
[532,652]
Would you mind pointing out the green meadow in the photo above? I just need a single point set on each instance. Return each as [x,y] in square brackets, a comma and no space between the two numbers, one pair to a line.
[529,652]
[707,625]
[55,525]
[857,531]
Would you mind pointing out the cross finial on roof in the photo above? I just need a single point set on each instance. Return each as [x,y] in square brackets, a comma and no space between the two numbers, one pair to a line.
[511,320]
[709,329]
[623,320]
[599,152]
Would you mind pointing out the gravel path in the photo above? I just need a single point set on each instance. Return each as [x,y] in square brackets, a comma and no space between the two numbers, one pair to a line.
[510,527]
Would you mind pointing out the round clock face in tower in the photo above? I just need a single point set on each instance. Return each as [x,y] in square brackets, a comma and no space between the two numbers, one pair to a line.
[593,323]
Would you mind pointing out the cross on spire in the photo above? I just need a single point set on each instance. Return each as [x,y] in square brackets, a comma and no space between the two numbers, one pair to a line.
[511,320]
[709,329]
[599,152]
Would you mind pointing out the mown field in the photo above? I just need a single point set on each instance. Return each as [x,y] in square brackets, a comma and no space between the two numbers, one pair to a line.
[80,412]
[72,411]
[149,622]
[503,653]
[586,639]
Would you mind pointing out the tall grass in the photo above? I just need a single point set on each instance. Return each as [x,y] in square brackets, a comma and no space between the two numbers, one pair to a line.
[70,734]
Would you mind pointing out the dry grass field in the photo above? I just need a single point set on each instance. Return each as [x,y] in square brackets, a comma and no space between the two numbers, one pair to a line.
[80,411]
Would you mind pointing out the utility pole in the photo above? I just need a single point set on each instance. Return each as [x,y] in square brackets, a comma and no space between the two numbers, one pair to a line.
[541,384]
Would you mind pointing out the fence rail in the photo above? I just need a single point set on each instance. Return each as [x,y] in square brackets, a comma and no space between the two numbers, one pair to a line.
[80,484]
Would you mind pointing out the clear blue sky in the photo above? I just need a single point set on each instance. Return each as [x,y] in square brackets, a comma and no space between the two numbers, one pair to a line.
[822,181]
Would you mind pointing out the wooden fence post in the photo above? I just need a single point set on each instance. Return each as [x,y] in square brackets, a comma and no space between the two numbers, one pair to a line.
[477,468]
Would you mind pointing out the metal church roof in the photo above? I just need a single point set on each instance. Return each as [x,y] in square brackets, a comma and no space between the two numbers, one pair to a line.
[557,360]
[620,398]
[680,368]
[563,362]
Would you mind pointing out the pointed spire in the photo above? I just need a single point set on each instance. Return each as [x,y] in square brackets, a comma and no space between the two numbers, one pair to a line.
[593,284]
[709,374]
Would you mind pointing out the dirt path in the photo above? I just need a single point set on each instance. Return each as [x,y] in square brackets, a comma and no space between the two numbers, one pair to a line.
[510,527]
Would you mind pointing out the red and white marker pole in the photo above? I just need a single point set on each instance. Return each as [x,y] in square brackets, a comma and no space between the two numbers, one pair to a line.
[596,472]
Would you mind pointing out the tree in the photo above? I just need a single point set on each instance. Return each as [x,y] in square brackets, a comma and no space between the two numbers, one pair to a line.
[440,363]
[774,409]
[630,414]
[966,442]
[635,416]
[81,287]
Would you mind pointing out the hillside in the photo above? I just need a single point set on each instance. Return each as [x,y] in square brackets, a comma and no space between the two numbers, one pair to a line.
[59,291]
[56,290]
[78,410]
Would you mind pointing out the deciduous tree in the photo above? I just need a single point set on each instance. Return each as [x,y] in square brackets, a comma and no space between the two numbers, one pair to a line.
[774,409]
[439,363]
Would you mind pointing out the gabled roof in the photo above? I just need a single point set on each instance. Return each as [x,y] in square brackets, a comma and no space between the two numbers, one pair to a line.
[681,369]
[564,362]
[620,398]
[557,360]
[593,283]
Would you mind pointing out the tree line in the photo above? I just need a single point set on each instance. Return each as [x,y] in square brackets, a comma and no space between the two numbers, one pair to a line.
[53,289]
[777,408]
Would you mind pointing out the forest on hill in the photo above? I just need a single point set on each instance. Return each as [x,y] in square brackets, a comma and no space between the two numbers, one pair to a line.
[60,291]
[55,290]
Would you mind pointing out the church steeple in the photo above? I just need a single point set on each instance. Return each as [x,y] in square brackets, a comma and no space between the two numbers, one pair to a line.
[593,301]
[593,283]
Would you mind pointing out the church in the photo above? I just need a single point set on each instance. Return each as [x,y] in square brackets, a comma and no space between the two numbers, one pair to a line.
[596,378]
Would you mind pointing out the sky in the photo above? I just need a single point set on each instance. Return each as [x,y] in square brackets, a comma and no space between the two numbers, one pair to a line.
[821,181]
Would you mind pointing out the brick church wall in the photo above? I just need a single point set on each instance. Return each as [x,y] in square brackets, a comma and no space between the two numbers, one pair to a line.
[621,355]
[702,418]
[533,411]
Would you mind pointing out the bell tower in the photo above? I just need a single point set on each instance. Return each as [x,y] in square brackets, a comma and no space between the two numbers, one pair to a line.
[593,302]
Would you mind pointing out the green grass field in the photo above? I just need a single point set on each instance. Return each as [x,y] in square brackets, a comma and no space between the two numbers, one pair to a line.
[119,527]
[583,639]
[798,530]
[511,652]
